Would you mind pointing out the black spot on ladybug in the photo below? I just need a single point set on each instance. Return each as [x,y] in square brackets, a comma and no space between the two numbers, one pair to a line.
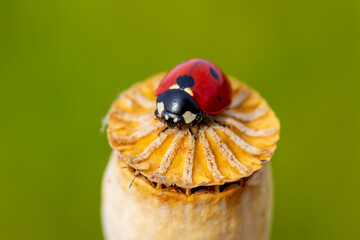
[185,81]
[262,160]
[219,98]
[215,75]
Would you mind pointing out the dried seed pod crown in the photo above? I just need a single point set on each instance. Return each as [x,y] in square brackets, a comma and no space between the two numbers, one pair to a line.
[217,156]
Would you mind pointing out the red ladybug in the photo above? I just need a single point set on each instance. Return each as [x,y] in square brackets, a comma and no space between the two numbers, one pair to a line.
[193,90]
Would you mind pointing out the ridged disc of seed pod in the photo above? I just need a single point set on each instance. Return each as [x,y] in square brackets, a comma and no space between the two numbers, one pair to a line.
[217,156]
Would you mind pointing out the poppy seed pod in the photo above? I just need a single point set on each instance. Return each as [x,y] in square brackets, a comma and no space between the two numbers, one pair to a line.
[214,183]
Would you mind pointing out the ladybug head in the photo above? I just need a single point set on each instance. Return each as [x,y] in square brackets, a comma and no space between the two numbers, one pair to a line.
[176,107]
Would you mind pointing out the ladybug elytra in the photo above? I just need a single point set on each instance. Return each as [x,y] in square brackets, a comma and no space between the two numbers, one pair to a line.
[190,92]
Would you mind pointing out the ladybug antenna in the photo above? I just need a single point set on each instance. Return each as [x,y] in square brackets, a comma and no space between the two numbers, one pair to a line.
[185,81]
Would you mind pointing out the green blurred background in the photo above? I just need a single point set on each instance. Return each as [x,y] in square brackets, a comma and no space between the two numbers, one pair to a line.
[62,63]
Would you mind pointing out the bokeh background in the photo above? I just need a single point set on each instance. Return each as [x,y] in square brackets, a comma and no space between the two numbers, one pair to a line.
[62,63]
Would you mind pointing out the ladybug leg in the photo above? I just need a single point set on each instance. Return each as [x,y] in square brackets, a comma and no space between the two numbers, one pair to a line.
[221,124]
[217,122]
[192,133]
[162,131]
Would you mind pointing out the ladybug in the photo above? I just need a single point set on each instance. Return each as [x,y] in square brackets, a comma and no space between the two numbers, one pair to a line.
[191,91]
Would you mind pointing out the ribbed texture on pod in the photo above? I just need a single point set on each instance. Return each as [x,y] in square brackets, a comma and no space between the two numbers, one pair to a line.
[219,155]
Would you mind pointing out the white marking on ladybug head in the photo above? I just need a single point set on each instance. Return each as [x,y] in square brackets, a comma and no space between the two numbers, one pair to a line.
[175,86]
[189,117]
[188,90]
[166,117]
[175,120]
[160,107]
